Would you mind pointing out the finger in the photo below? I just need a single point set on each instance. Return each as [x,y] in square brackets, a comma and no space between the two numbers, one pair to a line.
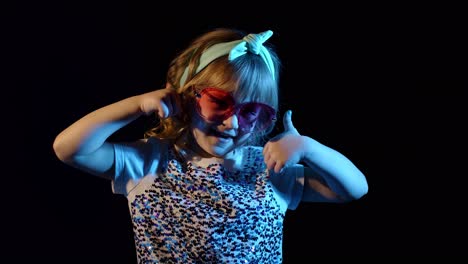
[166,106]
[171,103]
[163,110]
[279,167]
[287,122]
[271,164]
[266,157]
[266,148]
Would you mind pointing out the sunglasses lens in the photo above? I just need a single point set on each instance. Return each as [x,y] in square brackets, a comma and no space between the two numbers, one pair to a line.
[260,116]
[216,105]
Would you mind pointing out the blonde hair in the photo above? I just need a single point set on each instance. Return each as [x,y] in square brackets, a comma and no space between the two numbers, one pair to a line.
[247,77]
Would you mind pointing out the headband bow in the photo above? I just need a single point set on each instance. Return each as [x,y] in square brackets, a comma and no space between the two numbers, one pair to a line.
[252,43]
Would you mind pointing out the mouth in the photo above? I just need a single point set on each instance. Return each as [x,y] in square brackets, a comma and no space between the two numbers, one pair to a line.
[216,133]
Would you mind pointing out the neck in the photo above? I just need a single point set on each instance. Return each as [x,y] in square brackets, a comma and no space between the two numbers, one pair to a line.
[188,148]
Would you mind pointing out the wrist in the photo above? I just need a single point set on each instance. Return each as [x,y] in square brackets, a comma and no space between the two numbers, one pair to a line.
[309,146]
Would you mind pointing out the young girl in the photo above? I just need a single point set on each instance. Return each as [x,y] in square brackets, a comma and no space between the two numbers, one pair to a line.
[200,186]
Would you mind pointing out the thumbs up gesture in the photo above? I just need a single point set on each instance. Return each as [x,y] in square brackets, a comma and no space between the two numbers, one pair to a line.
[286,148]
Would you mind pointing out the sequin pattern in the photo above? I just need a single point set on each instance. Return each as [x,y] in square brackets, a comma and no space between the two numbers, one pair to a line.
[193,214]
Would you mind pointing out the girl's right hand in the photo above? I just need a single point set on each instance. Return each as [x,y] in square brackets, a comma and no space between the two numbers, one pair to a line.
[163,102]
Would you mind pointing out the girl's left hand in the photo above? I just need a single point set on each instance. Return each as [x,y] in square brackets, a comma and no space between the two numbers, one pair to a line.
[285,149]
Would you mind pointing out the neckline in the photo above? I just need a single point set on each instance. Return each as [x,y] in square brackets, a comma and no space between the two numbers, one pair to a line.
[231,162]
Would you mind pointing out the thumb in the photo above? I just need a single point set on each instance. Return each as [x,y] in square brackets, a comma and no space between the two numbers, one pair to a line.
[287,122]
[163,111]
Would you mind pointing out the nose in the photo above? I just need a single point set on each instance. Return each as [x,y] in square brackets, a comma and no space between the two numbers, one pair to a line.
[231,122]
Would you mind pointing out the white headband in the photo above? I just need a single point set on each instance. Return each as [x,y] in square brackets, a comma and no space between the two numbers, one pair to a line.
[252,43]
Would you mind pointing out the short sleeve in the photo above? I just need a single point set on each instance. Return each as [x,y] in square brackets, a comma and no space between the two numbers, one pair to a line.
[289,185]
[133,161]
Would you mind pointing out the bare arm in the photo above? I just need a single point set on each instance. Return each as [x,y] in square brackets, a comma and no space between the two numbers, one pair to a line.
[330,173]
[330,176]
[83,144]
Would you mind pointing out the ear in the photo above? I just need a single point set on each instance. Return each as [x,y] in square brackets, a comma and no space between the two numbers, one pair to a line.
[168,85]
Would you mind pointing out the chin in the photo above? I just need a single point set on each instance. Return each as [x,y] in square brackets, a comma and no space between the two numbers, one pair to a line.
[218,152]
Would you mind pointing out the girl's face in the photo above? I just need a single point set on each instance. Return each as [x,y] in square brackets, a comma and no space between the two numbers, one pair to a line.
[221,123]
[218,139]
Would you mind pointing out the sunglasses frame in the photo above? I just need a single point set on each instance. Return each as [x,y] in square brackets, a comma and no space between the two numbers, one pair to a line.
[234,108]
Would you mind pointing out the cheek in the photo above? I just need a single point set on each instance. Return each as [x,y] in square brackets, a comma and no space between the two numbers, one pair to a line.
[198,123]
[199,128]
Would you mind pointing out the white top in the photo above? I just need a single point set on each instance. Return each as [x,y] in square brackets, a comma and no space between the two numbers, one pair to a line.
[207,210]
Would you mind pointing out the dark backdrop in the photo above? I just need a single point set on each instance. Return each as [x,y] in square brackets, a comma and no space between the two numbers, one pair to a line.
[385,85]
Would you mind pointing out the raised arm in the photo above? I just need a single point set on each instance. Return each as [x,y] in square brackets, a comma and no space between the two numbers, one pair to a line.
[83,144]
[329,175]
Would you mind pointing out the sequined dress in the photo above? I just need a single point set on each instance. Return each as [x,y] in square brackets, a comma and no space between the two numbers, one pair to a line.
[186,211]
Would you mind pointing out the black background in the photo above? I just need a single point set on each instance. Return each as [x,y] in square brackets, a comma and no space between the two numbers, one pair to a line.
[383,84]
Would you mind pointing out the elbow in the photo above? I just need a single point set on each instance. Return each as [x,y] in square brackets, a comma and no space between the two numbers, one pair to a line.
[60,149]
[359,191]
[355,192]
[359,186]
